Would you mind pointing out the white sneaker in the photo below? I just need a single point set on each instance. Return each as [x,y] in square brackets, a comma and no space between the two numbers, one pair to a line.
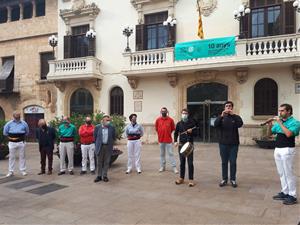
[10,174]
[128,171]
[175,170]
[24,173]
[162,169]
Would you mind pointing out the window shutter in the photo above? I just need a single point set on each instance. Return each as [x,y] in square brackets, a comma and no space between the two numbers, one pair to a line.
[67,46]
[139,37]
[245,26]
[172,35]
[92,47]
[289,18]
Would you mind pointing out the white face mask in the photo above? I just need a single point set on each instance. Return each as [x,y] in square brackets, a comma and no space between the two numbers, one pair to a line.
[184,117]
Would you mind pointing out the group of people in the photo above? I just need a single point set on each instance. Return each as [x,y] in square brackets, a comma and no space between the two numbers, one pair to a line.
[97,143]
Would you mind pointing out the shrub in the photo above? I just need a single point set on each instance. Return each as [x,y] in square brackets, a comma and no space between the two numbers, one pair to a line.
[3,139]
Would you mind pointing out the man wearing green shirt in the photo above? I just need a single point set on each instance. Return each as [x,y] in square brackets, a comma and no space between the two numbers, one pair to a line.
[286,129]
[66,133]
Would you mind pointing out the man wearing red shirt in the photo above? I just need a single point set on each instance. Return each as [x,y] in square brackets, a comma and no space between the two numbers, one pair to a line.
[164,126]
[86,133]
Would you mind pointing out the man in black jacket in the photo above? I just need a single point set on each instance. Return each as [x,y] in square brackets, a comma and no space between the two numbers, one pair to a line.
[184,129]
[46,138]
[228,124]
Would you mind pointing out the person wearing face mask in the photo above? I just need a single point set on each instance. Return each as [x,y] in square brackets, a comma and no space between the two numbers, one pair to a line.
[86,133]
[185,131]
[66,132]
[133,133]
[228,124]
[104,135]
[164,126]
[16,130]
[46,138]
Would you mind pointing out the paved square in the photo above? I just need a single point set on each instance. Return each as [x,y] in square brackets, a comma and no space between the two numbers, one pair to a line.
[151,197]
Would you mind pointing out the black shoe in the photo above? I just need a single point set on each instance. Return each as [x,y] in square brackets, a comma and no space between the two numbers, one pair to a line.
[61,173]
[223,183]
[233,183]
[97,179]
[93,172]
[290,200]
[71,172]
[82,172]
[49,172]
[105,179]
[42,172]
[280,196]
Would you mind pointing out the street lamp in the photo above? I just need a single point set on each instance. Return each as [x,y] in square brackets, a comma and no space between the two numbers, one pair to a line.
[170,22]
[90,34]
[52,40]
[239,16]
[127,32]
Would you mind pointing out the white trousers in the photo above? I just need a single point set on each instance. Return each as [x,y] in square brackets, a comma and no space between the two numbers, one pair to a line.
[66,148]
[13,148]
[284,158]
[134,155]
[88,151]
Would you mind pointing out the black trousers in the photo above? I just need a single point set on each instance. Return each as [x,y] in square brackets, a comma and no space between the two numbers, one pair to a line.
[46,152]
[190,160]
[228,153]
[103,160]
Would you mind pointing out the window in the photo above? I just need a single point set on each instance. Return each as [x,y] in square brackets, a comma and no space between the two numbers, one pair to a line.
[15,13]
[45,57]
[269,18]
[82,102]
[79,42]
[27,10]
[265,97]
[116,101]
[7,75]
[40,8]
[3,15]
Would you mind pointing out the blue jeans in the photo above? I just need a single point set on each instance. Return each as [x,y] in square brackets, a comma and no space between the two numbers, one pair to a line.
[163,147]
[228,153]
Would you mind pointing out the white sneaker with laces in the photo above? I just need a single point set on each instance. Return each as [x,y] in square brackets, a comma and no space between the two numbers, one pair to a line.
[24,173]
[128,171]
[161,169]
[10,174]
[175,170]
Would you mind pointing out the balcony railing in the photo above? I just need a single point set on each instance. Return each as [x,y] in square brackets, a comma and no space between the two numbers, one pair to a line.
[249,52]
[75,68]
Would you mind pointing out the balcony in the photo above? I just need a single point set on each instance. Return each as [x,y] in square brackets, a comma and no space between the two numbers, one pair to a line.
[284,49]
[85,68]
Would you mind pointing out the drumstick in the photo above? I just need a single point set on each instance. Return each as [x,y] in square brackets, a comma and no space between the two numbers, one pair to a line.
[185,132]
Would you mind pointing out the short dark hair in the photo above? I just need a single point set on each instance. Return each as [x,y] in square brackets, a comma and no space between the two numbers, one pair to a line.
[132,115]
[185,110]
[288,107]
[229,102]
[164,108]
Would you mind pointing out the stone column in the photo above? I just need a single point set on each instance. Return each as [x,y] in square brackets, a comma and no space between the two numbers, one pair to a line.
[21,11]
[33,8]
[8,14]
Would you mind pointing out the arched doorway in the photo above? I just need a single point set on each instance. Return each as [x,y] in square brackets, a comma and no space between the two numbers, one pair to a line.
[116,101]
[82,102]
[205,101]
[2,114]
[32,115]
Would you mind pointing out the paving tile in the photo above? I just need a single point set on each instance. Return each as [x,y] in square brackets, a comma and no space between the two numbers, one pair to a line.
[46,189]
[23,184]
[9,179]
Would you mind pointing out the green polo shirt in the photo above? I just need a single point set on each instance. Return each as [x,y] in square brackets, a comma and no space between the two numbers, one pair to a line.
[291,124]
[69,131]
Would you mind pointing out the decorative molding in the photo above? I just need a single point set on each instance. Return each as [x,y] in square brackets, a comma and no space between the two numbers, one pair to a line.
[245,3]
[296,72]
[242,75]
[98,84]
[173,79]
[133,82]
[139,6]
[207,6]
[60,85]
[206,75]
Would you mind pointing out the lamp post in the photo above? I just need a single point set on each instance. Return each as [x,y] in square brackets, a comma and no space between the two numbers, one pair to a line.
[127,32]
[170,22]
[52,40]
[296,5]
[239,16]
[90,34]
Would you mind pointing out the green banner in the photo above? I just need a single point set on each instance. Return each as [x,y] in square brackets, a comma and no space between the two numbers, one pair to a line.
[205,48]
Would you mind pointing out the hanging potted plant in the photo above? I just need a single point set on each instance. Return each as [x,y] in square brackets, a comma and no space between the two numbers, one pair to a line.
[3,142]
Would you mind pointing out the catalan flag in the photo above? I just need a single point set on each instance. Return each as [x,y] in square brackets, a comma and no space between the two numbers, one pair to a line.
[200,24]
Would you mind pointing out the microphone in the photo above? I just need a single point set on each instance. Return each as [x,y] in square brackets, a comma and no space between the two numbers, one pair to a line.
[268,121]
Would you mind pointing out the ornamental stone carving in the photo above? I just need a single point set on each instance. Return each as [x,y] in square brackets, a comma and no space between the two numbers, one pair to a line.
[242,75]
[206,75]
[133,82]
[207,6]
[173,79]
[296,72]
[60,85]
[78,4]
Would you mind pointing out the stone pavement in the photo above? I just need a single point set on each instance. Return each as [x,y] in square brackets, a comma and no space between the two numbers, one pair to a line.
[151,197]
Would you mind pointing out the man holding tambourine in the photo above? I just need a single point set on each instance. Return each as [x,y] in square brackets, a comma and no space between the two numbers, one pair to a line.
[185,130]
